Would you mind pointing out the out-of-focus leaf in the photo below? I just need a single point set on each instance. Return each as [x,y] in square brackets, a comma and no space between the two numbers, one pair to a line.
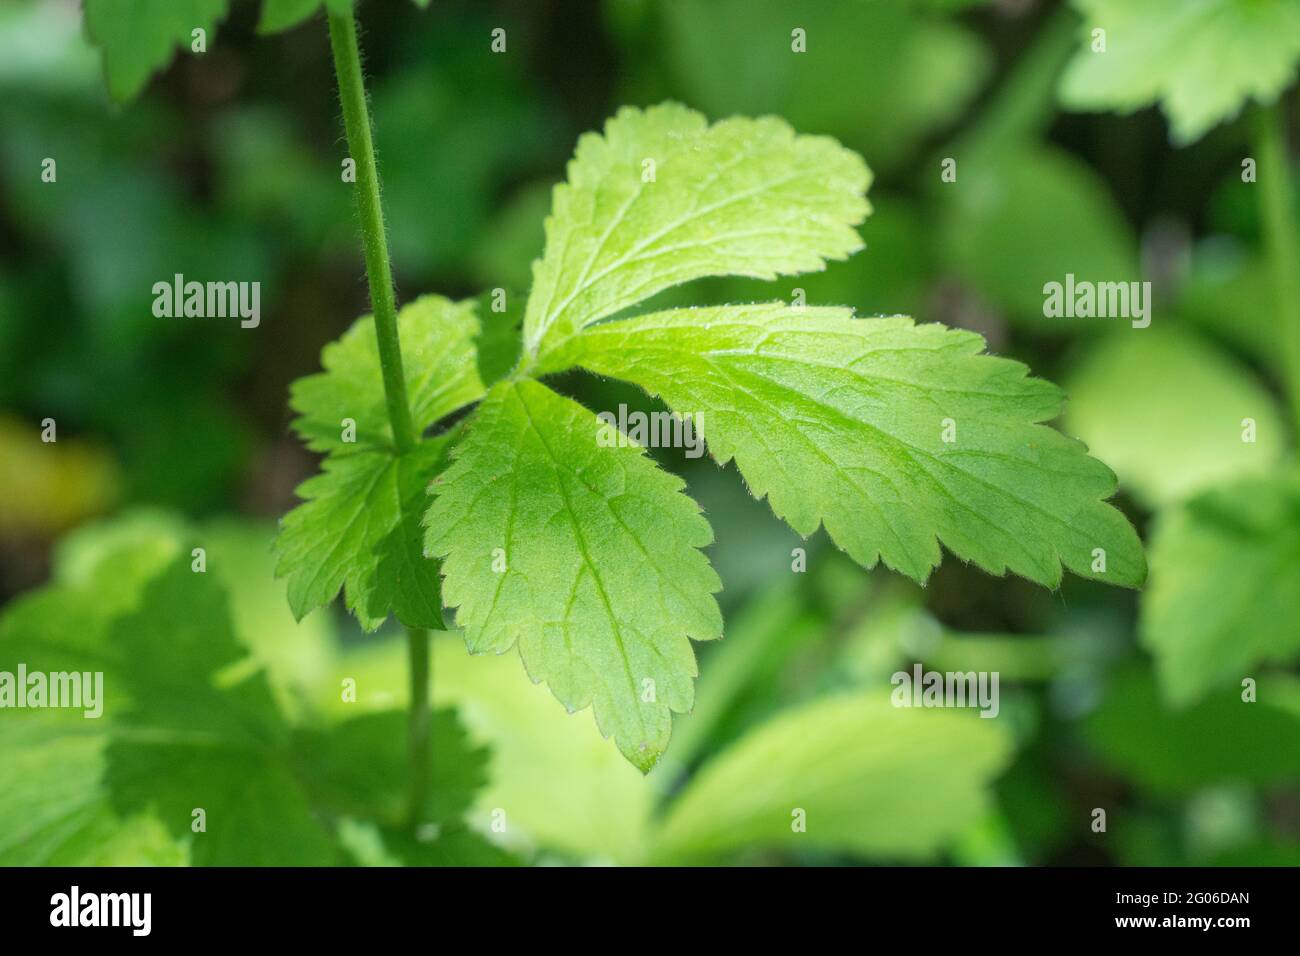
[1229,294]
[562,788]
[1201,61]
[42,48]
[190,740]
[872,779]
[1177,751]
[1021,217]
[139,37]
[880,75]
[280,15]
[360,768]
[1165,410]
[508,245]
[767,628]
[448,136]
[1225,585]
[179,729]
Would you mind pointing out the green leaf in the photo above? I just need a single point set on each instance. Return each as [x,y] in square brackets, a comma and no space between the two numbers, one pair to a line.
[360,530]
[191,739]
[585,556]
[1220,740]
[1165,410]
[185,724]
[437,338]
[841,421]
[278,15]
[1202,62]
[565,788]
[55,810]
[1224,596]
[1025,216]
[497,345]
[359,767]
[140,37]
[453,846]
[909,71]
[662,198]
[872,779]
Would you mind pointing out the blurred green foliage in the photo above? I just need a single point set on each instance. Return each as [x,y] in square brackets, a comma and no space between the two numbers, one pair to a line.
[227,166]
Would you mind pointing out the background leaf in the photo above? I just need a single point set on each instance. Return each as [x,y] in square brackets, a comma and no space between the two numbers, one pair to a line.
[1225,585]
[871,778]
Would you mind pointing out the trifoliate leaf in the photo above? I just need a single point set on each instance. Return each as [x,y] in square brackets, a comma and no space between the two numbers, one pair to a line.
[858,773]
[584,555]
[1172,414]
[437,338]
[360,530]
[662,198]
[1201,61]
[897,437]
[1225,585]
[139,37]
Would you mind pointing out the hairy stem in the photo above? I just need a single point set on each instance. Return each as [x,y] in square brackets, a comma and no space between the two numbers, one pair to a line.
[383,301]
[379,272]
[1277,214]
[418,724]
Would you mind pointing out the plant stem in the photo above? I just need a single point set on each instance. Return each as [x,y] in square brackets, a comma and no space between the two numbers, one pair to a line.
[379,272]
[1278,216]
[383,301]
[418,724]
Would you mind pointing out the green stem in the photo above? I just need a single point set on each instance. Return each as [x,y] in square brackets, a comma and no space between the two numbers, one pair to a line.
[418,724]
[379,272]
[1277,212]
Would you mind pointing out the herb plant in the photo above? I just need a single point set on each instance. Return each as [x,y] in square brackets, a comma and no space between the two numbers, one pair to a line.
[897,437]
[459,489]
